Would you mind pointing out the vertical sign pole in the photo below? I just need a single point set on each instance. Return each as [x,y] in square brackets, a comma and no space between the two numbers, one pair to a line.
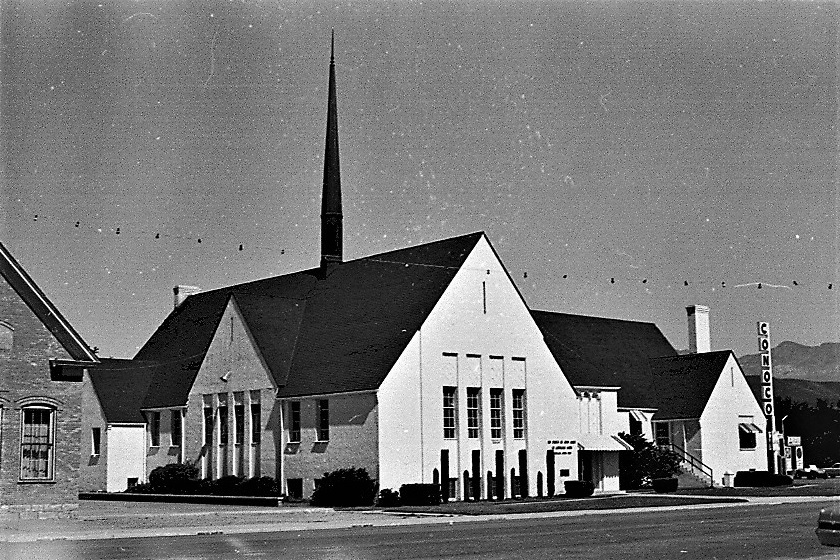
[767,391]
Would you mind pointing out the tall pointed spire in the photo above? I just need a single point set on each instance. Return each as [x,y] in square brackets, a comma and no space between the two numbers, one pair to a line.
[331,216]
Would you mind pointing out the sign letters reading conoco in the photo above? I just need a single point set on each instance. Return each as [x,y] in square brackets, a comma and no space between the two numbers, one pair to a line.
[766,377]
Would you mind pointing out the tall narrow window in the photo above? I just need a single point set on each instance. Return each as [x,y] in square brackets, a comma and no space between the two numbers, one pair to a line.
[208,425]
[519,413]
[294,422]
[154,429]
[449,412]
[36,443]
[175,427]
[95,441]
[223,422]
[496,413]
[238,423]
[473,404]
[256,423]
[323,420]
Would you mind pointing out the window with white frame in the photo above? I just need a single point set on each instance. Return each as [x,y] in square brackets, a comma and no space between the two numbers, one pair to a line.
[37,443]
[449,412]
[154,428]
[223,420]
[323,420]
[747,430]
[294,422]
[95,441]
[256,422]
[518,413]
[496,413]
[7,335]
[473,409]
[238,422]
[175,427]
[208,425]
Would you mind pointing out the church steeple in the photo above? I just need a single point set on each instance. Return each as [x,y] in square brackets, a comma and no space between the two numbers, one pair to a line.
[331,216]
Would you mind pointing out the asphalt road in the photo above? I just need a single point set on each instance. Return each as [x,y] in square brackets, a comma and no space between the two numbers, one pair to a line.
[760,532]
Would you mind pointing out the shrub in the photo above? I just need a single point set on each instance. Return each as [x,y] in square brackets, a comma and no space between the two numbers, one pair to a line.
[388,498]
[578,488]
[646,462]
[259,486]
[228,485]
[761,478]
[665,484]
[420,494]
[174,478]
[345,488]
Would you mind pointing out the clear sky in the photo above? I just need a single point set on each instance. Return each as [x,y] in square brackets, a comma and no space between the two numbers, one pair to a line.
[612,151]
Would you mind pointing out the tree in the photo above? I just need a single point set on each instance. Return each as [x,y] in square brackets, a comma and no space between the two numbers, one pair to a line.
[646,462]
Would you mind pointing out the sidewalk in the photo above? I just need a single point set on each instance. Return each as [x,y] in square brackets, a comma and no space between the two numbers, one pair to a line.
[106,520]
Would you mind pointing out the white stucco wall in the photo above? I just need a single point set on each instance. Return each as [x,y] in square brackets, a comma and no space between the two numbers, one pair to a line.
[731,399]
[598,414]
[233,369]
[126,455]
[492,341]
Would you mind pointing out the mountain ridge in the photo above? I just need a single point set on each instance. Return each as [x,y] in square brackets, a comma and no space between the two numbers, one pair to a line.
[792,360]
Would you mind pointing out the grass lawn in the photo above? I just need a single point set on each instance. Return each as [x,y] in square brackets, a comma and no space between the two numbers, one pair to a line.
[535,505]
[819,487]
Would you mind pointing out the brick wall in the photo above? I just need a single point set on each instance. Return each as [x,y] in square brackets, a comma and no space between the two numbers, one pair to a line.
[25,377]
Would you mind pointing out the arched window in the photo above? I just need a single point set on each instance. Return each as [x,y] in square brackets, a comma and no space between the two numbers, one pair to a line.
[37,443]
[7,337]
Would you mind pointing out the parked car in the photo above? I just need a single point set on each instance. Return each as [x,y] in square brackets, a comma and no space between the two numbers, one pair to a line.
[828,526]
[833,470]
[812,471]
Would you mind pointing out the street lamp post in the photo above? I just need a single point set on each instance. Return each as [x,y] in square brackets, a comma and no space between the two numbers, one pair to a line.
[784,444]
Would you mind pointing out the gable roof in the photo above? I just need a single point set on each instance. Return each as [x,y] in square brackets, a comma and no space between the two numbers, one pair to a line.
[605,352]
[43,308]
[320,331]
[635,356]
[683,384]
[119,384]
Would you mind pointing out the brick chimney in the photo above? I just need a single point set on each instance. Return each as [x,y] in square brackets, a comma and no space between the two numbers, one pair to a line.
[183,292]
[699,336]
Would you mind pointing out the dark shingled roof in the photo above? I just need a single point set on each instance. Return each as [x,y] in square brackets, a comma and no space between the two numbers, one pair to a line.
[120,386]
[319,331]
[605,352]
[683,384]
[635,356]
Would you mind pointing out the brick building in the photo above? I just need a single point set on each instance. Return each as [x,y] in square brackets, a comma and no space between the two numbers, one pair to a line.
[42,361]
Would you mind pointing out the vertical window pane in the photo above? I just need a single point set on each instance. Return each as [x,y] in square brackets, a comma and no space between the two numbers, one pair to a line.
[294,421]
[473,406]
[323,420]
[519,413]
[223,424]
[175,425]
[496,413]
[154,429]
[208,425]
[449,412]
[96,440]
[239,423]
[256,423]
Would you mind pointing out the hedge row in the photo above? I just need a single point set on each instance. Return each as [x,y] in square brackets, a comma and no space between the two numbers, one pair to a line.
[177,478]
[761,478]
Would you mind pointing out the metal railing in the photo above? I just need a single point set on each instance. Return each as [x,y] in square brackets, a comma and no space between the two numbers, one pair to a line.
[693,464]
